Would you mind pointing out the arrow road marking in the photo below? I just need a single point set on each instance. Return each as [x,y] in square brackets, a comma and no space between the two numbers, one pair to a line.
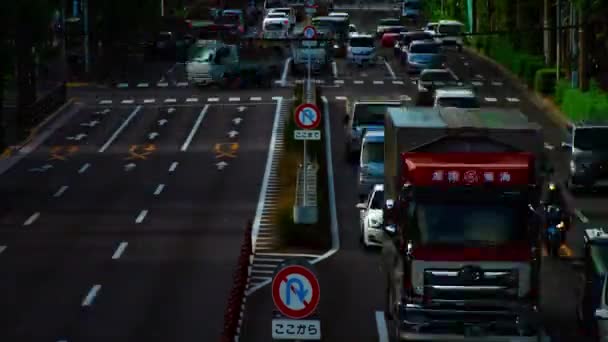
[120,129]
[153,135]
[92,123]
[232,134]
[84,168]
[197,123]
[130,166]
[159,189]
[237,121]
[77,137]
[221,165]
[32,219]
[60,191]
[241,108]
[142,215]
[88,300]
[119,250]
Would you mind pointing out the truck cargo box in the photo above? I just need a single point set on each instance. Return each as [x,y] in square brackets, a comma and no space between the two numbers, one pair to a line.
[447,130]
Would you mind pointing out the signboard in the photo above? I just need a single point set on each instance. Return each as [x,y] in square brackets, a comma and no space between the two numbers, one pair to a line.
[295,291]
[307,134]
[291,329]
[309,32]
[307,116]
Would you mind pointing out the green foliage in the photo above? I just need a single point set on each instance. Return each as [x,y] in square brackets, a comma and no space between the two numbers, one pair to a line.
[545,81]
[579,105]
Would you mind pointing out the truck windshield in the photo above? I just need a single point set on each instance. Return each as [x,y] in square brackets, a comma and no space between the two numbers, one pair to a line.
[362,42]
[462,220]
[370,114]
[372,152]
[459,102]
[588,139]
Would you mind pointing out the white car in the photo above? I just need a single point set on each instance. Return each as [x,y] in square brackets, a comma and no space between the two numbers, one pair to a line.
[456,97]
[289,13]
[370,217]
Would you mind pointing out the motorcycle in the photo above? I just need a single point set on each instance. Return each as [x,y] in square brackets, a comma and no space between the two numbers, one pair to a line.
[554,237]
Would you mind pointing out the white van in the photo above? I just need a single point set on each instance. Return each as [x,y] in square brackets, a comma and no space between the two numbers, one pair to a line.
[275,28]
[450,33]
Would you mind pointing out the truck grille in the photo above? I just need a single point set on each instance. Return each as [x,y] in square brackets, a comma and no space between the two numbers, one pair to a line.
[470,285]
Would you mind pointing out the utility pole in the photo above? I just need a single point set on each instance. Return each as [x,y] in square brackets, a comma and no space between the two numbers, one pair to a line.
[546,32]
[582,50]
[87,57]
[558,38]
[162,8]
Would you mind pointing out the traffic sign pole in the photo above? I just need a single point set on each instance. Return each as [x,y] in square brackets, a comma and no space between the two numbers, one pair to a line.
[307,116]
[309,33]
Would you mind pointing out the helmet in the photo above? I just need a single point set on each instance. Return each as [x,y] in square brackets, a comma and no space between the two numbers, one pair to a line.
[552,186]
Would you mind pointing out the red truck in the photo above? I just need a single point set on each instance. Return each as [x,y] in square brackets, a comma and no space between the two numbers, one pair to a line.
[462,253]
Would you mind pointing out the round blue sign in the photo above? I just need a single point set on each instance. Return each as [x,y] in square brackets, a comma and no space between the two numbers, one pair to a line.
[309,32]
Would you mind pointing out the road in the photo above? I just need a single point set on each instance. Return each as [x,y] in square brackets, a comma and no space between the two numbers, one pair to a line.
[351,281]
[122,225]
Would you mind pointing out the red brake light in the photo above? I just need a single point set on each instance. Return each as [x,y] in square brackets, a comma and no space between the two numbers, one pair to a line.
[286,22]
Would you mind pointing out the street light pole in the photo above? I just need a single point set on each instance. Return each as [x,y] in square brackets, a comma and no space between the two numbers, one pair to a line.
[87,57]
[162,8]
[558,38]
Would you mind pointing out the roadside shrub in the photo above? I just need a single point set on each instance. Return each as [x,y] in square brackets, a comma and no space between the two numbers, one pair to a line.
[590,105]
[531,66]
[545,81]
[560,90]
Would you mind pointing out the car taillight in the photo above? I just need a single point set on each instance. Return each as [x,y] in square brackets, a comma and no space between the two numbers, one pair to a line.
[286,22]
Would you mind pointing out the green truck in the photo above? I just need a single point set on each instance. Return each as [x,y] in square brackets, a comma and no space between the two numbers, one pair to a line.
[215,62]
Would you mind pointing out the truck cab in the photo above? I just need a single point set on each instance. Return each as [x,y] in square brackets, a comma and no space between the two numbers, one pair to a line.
[587,147]
[462,197]
[593,307]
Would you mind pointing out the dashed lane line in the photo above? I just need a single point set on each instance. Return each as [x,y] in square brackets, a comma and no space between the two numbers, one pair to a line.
[159,189]
[255,98]
[120,250]
[334,69]
[146,101]
[497,83]
[173,166]
[234,99]
[491,99]
[162,84]
[143,85]
[60,191]
[2,249]
[90,297]
[170,100]
[477,83]
[142,215]
[191,99]
[397,82]
[197,123]
[358,82]
[512,99]
[105,102]
[122,85]
[84,168]
[342,98]
[378,82]
[213,99]
[120,129]
[31,219]
[181,84]
[579,214]
[127,101]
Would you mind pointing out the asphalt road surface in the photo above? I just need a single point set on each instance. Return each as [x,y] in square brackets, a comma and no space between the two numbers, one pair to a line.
[122,225]
[351,282]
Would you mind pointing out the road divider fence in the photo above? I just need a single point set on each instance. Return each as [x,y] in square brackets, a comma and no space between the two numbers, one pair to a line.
[233,315]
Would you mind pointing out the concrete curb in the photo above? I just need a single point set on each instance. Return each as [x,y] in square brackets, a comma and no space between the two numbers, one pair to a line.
[40,127]
[555,114]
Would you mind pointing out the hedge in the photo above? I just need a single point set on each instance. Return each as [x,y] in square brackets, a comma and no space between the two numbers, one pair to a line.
[544,81]
[579,105]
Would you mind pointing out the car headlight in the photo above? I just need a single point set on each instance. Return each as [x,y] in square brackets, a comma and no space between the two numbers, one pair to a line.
[572,166]
[374,222]
[336,47]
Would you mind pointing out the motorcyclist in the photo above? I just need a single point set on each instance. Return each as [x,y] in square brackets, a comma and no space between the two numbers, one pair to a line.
[557,197]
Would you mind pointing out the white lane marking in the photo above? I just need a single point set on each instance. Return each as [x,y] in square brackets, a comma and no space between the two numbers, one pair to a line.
[159,189]
[277,98]
[31,219]
[466,63]
[129,101]
[149,100]
[213,99]
[234,99]
[105,102]
[84,168]
[381,326]
[143,85]
[283,80]
[357,82]
[390,69]
[162,84]
[479,76]
[122,85]
[579,214]
[60,191]
[119,250]
[2,249]
[170,100]
[512,99]
[255,98]
[334,69]
[197,123]
[341,98]
[120,129]
[339,81]
[88,300]
[397,82]
[142,215]
[173,166]
[477,83]
[497,83]
[181,84]
[549,146]
[452,73]
[491,99]
[378,82]
[192,99]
